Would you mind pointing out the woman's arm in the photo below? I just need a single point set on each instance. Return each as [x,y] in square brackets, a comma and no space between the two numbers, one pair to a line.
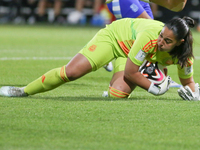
[188,82]
[133,75]
[173,5]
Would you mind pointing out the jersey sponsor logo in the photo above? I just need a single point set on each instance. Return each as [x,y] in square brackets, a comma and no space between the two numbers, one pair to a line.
[140,55]
[188,70]
[134,7]
[92,48]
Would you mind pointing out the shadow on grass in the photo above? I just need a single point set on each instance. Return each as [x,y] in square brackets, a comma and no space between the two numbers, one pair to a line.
[92,98]
[86,98]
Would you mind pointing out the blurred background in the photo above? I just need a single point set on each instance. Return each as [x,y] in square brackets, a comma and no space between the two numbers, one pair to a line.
[77,12]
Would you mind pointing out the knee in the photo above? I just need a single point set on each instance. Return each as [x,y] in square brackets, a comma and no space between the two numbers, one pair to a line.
[72,73]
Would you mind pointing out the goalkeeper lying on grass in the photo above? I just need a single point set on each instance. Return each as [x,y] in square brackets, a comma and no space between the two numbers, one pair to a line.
[137,40]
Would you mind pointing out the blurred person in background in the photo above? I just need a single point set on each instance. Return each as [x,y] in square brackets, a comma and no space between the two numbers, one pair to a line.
[57,6]
[130,9]
[32,16]
[173,5]
[14,14]
[75,16]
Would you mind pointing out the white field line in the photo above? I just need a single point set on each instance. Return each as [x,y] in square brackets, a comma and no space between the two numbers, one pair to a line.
[46,58]
[35,58]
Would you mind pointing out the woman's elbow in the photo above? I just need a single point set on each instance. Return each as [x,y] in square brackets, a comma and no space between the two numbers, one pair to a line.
[131,76]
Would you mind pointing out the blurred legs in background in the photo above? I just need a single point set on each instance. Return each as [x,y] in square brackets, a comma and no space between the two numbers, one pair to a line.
[57,6]
[75,16]
[14,14]
[32,16]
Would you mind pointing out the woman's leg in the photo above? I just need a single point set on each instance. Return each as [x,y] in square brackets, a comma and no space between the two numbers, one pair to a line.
[57,7]
[95,54]
[120,87]
[76,68]
[42,7]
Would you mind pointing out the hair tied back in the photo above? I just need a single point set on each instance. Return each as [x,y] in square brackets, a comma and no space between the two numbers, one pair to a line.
[189,21]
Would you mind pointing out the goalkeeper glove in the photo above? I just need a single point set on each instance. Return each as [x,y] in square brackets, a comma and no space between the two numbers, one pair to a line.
[160,89]
[186,93]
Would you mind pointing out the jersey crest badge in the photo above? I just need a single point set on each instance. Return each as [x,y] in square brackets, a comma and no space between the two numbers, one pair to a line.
[140,55]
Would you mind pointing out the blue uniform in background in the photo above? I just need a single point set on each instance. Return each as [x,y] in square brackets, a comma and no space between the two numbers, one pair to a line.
[129,8]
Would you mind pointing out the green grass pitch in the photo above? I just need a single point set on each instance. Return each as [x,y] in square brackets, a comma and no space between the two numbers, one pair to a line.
[75,116]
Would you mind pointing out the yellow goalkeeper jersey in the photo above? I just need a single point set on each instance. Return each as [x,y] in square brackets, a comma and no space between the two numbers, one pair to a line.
[137,39]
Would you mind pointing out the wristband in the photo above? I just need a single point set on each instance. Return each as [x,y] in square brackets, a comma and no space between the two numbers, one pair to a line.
[154,89]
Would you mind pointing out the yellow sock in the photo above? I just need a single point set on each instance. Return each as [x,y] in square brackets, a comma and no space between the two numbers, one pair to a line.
[48,81]
[117,93]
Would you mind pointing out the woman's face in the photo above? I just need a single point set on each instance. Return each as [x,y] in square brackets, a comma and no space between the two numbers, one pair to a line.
[167,40]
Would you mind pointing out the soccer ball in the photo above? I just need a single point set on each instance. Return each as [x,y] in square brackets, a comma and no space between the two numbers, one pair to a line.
[154,72]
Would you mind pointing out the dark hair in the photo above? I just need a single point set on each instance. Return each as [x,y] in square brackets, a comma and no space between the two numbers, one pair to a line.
[181,30]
